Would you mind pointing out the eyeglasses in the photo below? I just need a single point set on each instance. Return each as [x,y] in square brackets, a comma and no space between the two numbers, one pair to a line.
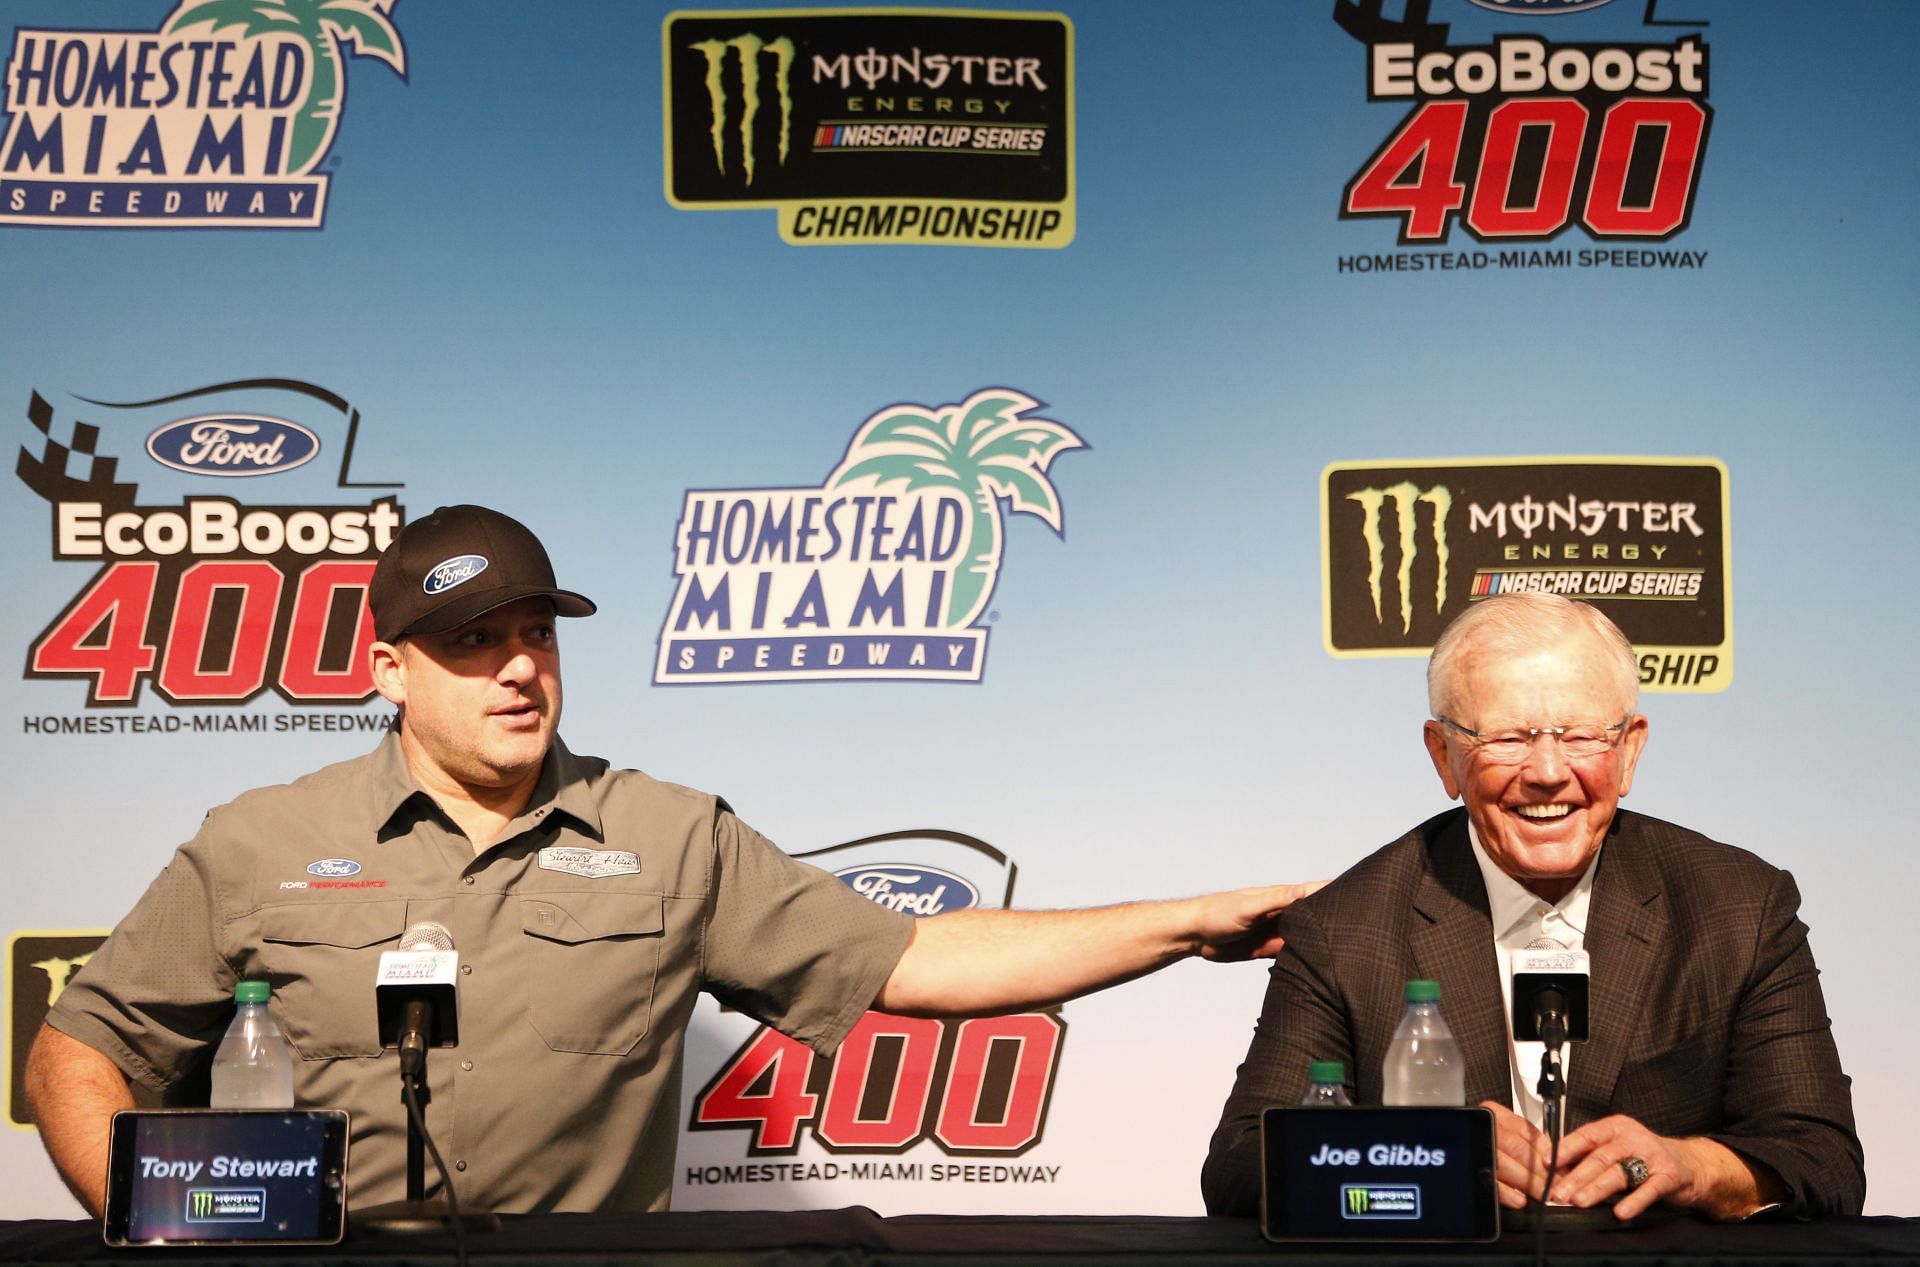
[1510,747]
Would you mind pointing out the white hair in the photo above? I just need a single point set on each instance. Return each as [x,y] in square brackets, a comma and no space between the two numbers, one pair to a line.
[1516,624]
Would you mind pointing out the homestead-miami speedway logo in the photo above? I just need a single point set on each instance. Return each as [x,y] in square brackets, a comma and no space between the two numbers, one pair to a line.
[219,119]
[883,571]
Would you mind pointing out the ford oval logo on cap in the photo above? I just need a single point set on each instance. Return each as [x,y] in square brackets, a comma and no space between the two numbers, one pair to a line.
[915,890]
[233,445]
[458,570]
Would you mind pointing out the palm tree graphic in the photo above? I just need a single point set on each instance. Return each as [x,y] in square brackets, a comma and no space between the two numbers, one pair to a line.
[987,449]
[322,25]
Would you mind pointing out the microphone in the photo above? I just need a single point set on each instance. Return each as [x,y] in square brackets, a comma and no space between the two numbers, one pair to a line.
[1550,1004]
[417,996]
[1550,996]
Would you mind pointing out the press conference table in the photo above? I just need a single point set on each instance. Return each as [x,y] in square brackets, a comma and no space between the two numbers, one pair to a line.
[858,1236]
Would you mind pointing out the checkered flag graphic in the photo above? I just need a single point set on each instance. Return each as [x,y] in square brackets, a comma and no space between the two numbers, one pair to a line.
[50,474]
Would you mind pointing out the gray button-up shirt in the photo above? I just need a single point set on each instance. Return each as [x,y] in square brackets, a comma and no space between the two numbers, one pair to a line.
[584,934]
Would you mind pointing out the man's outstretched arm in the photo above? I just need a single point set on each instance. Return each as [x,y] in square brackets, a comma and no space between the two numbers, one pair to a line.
[73,1092]
[970,962]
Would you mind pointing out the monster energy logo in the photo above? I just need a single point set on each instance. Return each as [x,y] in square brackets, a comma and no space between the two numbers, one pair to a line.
[1405,497]
[1379,1201]
[60,971]
[748,49]
[226,1205]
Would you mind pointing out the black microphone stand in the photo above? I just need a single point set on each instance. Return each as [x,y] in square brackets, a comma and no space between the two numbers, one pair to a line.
[416,1214]
[413,1077]
[1552,1090]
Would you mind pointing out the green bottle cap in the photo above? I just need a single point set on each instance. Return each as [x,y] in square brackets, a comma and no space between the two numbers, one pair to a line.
[251,992]
[1423,991]
[1327,1071]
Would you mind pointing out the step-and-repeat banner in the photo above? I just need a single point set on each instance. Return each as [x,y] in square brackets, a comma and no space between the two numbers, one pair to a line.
[1021,457]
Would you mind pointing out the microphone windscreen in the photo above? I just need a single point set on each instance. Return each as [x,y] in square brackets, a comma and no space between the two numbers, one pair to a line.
[426,935]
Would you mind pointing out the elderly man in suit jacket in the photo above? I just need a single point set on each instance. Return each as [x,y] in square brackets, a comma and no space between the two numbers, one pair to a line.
[1711,1080]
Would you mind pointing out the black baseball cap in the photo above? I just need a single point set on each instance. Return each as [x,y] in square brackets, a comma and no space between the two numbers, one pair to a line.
[458,563]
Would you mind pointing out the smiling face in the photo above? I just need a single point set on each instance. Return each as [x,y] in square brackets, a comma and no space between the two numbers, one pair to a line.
[481,701]
[1542,819]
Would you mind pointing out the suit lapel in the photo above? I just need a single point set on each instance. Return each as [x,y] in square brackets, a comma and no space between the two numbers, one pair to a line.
[1452,942]
[1626,927]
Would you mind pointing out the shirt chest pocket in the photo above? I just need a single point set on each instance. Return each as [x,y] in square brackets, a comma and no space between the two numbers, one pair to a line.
[591,964]
[323,961]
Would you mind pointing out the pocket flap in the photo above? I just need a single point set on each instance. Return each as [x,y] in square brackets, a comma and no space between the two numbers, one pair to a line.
[348,924]
[578,917]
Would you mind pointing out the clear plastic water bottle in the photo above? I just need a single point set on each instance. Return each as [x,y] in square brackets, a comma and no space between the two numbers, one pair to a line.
[1326,1085]
[1423,1063]
[253,1067]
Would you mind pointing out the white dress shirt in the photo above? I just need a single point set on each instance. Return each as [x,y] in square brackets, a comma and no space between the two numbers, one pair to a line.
[1521,918]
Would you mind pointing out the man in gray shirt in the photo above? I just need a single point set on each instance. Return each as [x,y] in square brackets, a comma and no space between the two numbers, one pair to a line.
[590,906]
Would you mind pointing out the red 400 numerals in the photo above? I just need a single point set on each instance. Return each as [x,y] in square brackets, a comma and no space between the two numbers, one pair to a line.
[976,1086]
[1585,169]
[223,631]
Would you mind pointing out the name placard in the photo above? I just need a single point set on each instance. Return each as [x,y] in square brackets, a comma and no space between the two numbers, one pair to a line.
[1400,1174]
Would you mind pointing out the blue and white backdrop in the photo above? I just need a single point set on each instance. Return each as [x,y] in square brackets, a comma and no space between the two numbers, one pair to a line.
[1015,453]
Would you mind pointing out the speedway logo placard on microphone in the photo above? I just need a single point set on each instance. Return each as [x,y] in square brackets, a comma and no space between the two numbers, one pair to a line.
[425,970]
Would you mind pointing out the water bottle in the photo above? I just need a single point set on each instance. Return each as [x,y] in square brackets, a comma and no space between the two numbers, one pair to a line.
[1326,1085]
[1423,1063]
[253,1069]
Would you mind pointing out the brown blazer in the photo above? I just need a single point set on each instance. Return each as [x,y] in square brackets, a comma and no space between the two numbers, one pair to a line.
[1706,1013]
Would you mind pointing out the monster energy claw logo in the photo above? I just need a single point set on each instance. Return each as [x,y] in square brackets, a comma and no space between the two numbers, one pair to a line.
[1406,496]
[748,48]
[1379,1201]
[226,1205]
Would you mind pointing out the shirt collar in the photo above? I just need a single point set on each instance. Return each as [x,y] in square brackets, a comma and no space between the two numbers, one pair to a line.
[1515,907]
[562,787]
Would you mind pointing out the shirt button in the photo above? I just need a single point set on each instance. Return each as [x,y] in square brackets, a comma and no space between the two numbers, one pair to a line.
[467,1065]
[466,879]
[466,969]
[460,1166]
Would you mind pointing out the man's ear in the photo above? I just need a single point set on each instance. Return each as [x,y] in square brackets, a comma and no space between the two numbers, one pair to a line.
[1631,745]
[1435,736]
[389,667]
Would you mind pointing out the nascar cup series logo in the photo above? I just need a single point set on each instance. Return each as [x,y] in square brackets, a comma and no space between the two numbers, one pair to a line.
[220,118]
[905,125]
[883,571]
[1411,545]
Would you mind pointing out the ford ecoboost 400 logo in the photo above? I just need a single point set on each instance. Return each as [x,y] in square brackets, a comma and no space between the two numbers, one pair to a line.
[916,890]
[233,444]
